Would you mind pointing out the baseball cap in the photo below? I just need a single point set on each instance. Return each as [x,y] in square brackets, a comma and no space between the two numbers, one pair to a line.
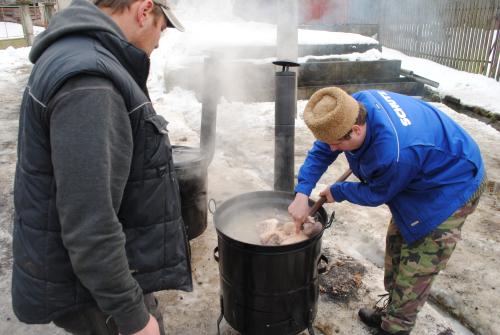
[172,20]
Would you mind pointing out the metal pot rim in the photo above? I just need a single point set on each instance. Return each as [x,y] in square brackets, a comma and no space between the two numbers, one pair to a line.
[258,248]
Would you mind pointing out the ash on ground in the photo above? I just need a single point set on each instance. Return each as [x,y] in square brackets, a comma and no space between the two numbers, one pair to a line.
[343,278]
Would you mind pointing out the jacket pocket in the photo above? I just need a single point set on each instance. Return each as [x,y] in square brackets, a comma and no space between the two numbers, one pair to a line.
[157,145]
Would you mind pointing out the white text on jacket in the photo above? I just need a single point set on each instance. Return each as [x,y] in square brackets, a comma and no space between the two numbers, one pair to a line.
[397,109]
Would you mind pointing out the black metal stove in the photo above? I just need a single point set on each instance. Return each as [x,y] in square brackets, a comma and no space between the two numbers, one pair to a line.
[267,290]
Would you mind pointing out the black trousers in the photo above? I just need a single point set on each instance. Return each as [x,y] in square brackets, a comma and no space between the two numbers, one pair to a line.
[92,321]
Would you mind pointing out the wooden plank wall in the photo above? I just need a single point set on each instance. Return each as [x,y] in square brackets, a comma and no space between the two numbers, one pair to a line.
[11,13]
[462,34]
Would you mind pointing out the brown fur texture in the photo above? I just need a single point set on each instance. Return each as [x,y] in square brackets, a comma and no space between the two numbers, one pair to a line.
[330,114]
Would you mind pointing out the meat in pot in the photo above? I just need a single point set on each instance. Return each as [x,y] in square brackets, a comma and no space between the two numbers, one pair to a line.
[281,231]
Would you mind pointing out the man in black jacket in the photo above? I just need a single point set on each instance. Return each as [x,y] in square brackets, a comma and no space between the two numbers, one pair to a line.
[98,225]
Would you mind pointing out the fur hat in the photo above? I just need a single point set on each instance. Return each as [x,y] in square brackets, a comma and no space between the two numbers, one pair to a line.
[330,114]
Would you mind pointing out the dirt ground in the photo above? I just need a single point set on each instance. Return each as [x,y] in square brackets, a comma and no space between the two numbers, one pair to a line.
[468,290]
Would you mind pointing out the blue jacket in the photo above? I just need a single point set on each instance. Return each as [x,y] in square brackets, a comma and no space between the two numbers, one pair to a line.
[414,158]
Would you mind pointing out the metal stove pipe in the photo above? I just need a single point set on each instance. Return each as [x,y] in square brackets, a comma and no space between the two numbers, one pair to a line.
[284,131]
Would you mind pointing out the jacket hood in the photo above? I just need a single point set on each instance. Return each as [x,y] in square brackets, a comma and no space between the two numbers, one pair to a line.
[81,17]
[85,19]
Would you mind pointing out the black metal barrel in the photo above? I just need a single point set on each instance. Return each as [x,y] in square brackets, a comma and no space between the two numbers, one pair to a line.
[266,290]
[191,172]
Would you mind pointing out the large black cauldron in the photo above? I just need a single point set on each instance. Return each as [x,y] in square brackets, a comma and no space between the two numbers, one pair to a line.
[191,171]
[266,290]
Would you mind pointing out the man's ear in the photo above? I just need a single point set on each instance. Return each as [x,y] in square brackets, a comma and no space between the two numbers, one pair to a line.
[356,129]
[144,9]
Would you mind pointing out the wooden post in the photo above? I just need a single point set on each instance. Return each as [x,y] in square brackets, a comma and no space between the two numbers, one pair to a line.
[47,10]
[61,4]
[43,18]
[26,21]
[495,52]
[381,35]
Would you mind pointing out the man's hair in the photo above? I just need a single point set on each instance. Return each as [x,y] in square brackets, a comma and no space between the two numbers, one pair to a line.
[360,120]
[118,6]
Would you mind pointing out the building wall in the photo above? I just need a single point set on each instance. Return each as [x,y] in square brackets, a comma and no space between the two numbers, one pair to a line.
[12,14]
[313,12]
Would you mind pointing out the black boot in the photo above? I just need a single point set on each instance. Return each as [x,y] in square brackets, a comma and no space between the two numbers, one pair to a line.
[371,317]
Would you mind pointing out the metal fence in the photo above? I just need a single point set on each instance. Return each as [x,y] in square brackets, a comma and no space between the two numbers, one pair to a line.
[462,34]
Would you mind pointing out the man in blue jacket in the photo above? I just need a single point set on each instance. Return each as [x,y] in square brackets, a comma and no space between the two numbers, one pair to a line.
[414,158]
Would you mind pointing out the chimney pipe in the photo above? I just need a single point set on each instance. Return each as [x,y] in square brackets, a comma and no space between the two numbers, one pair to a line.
[284,131]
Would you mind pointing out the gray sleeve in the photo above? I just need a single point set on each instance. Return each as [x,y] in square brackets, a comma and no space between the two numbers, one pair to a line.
[91,143]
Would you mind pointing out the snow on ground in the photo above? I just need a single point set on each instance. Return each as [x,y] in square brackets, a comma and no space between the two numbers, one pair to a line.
[178,49]
[244,162]
[15,30]
[209,34]
[12,58]
[472,89]
[201,36]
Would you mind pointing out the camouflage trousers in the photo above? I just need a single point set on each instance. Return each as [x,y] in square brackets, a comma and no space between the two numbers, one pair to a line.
[411,269]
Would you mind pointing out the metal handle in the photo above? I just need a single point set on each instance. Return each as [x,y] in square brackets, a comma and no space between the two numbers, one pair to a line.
[330,220]
[211,203]
[323,269]
[216,254]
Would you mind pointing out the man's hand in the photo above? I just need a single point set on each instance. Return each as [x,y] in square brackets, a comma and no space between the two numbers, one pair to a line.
[299,210]
[151,328]
[327,194]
